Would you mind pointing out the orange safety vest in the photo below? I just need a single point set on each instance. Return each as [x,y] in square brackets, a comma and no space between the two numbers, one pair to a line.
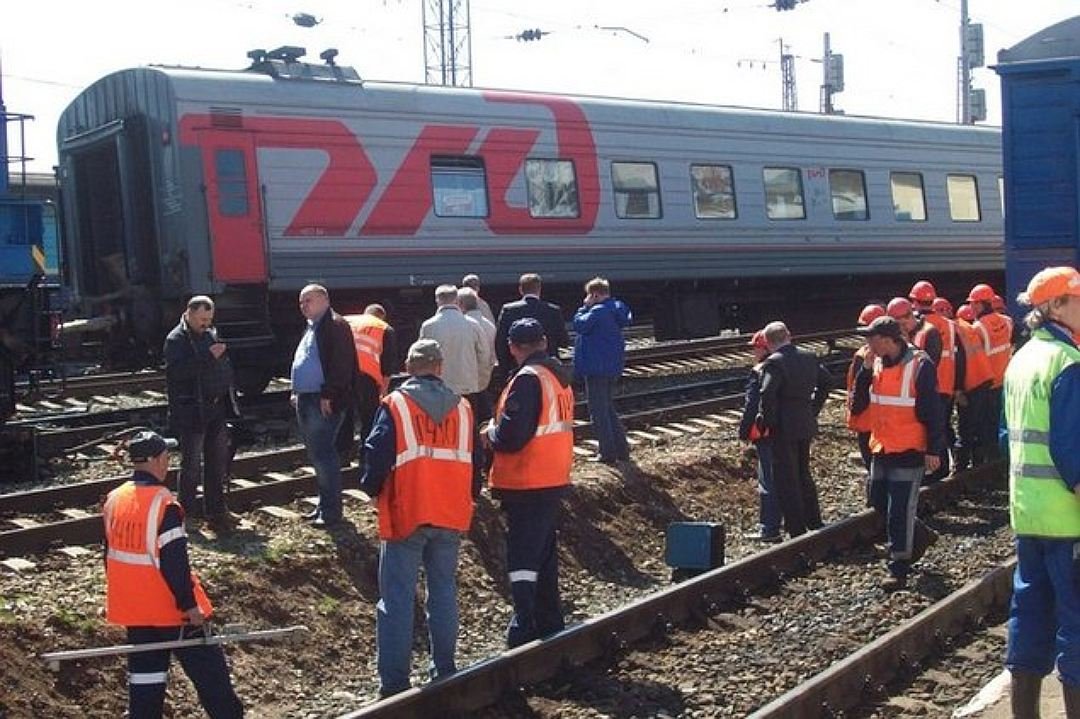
[431,482]
[977,368]
[136,594]
[946,368]
[894,425]
[546,459]
[857,422]
[996,333]
[367,332]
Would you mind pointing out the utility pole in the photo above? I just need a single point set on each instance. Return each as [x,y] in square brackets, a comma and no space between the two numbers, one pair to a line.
[826,80]
[787,72]
[447,42]
[970,102]
[964,91]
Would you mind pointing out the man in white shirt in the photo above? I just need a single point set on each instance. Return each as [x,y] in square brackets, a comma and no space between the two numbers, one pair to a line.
[464,346]
[468,301]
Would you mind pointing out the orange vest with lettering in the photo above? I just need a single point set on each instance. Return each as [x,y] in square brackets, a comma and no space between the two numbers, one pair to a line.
[977,369]
[895,427]
[857,422]
[996,334]
[136,594]
[946,368]
[367,332]
[546,459]
[431,482]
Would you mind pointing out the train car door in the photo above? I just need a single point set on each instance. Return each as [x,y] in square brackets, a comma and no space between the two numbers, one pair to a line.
[237,233]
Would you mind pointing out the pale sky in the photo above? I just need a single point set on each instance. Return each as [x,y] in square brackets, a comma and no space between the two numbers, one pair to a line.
[899,55]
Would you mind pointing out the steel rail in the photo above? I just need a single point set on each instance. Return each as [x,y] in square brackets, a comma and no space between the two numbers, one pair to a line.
[483,683]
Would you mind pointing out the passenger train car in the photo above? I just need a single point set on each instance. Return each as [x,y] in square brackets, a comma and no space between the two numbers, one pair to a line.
[249,184]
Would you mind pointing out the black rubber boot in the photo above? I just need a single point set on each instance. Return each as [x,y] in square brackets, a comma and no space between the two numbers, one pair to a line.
[1072,701]
[1026,688]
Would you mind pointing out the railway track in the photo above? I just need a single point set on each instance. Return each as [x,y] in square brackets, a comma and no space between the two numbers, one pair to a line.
[788,632]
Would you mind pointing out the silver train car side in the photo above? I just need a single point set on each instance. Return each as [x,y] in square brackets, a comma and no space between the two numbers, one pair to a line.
[248,184]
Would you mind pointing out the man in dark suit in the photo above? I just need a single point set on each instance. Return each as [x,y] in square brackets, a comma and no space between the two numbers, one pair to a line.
[793,390]
[547,314]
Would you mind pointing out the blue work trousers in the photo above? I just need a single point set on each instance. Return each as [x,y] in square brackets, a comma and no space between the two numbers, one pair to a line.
[769,509]
[1044,617]
[436,549]
[894,492]
[532,560]
[606,424]
[319,434]
[148,674]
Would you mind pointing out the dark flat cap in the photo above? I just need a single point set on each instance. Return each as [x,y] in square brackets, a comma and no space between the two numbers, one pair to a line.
[883,327]
[526,331]
[147,445]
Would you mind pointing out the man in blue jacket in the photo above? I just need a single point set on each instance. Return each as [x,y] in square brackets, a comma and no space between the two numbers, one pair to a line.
[599,353]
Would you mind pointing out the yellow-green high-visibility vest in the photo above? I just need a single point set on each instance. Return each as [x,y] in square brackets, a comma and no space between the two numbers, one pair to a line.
[1040,503]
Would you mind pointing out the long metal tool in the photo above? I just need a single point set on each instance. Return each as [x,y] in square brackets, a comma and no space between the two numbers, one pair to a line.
[228,635]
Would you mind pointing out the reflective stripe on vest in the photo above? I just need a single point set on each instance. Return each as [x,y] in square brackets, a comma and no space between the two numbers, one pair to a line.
[997,341]
[1041,503]
[977,368]
[136,592]
[431,482]
[546,460]
[893,395]
[368,332]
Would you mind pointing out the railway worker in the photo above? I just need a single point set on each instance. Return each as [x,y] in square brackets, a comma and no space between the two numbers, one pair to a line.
[377,359]
[794,387]
[199,383]
[974,377]
[599,356]
[324,373]
[996,334]
[548,314]
[922,296]
[943,307]
[472,281]
[999,306]
[418,464]
[925,336]
[860,424]
[464,347]
[151,590]
[1042,412]
[469,302]
[769,515]
[532,437]
[897,384]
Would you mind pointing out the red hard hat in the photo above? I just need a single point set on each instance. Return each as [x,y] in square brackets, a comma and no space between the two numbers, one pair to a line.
[923,292]
[965,313]
[870,313]
[997,304]
[758,340]
[981,293]
[898,307]
[942,306]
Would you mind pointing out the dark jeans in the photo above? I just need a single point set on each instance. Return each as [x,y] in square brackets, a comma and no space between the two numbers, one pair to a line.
[794,486]
[971,424]
[358,419]
[991,422]
[606,424]
[943,471]
[318,433]
[769,516]
[894,492]
[204,456]
[148,674]
[532,560]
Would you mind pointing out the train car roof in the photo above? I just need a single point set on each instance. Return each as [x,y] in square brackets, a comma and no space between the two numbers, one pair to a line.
[242,87]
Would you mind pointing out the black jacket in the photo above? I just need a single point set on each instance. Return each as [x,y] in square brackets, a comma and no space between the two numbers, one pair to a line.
[337,353]
[198,384]
[546,313]
[794,387]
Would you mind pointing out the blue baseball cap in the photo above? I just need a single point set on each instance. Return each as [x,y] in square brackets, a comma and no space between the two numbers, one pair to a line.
[146,445]
[526,331]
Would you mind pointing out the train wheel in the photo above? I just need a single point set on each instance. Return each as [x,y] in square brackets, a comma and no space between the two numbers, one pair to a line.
[252,380]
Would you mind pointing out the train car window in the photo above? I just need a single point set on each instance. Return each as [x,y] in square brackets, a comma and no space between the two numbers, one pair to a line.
[783,193]
[552,188]
[713,187]
[848,190]
[908,197]
[963,198]
[459,186]
[637,190]
[232,182]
